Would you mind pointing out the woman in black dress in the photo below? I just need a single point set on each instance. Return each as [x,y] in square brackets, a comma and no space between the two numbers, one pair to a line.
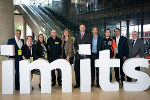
[28,50]
[40,51]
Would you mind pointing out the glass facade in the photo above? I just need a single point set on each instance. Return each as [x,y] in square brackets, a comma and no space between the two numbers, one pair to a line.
[128,15]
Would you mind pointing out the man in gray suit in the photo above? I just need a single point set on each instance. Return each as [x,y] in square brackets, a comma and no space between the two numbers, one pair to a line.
[136,49]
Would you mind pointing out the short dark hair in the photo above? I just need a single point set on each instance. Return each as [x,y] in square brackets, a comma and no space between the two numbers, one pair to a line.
[29,36]
[107,30]
[116,29]
[18,30]
[81,24]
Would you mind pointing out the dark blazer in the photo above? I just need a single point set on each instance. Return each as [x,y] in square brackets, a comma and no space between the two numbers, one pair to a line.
[12,41]
[38,51]
[123,49]
[138,48]
[85,40]
[26,51]
[100,44]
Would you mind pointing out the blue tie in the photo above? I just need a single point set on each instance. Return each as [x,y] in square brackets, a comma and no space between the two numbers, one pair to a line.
[133,43]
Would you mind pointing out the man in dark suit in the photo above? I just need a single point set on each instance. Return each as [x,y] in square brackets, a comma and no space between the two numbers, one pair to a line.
[136,49]
[82,38]
[18,43]
[97,45]
[121,53]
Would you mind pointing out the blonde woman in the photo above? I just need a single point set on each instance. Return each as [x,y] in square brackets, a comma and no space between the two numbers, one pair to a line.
[67,46]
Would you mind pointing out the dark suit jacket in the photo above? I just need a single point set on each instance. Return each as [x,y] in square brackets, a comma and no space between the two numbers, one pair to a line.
[123,49]
[138,48]
[85,40]
[12,41]
[26,52]
[100,44]
[38,51]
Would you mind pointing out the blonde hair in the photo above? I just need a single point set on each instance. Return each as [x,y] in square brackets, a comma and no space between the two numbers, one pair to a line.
[63,36]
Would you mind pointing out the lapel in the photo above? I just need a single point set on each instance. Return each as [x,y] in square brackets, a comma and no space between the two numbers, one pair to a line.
[119,41]
[67,42]
[136,42]
[16,43]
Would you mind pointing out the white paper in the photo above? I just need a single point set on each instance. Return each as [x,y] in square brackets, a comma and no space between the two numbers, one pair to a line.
[7,50]
[85,49]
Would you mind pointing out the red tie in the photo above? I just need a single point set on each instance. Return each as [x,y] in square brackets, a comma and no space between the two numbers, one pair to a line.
[81,36]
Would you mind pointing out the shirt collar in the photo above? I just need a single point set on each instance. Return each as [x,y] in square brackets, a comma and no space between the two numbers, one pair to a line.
[134,39]
[96,37]
[118,37]
[82,33]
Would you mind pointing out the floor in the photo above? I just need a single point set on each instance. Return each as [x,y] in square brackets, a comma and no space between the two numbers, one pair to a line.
[96,94]
[56,94]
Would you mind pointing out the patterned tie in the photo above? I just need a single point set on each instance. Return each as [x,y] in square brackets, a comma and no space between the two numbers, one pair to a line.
[81,36]
[133,43]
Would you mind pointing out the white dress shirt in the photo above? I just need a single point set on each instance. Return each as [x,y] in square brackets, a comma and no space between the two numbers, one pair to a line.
[19,42]
[117,42]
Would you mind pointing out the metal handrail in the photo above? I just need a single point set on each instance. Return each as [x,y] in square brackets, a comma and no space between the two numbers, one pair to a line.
[35,22]
[44,17]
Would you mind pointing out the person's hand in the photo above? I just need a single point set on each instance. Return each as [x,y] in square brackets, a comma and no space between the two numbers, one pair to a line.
[124,58]
[137,56]
[67,58]
[25,59]
[11,58]
[80,54]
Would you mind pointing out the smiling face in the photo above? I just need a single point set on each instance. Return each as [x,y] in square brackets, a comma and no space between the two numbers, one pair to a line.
[66,33]
[82,28]
[107,33]
[18,34]
[29,40]
[95,31]
[134,35]
[117,32]
[41,38]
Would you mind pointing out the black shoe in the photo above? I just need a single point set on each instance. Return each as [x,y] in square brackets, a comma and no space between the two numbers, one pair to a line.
[39,85]
[60,84]
[17,89]
[97,85]
[92,84]
[53,84]
[76,86]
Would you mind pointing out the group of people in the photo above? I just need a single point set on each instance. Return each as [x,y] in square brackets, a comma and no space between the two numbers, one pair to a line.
[65,48]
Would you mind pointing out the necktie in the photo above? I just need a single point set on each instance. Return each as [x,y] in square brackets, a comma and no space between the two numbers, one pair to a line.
[81,36]
[133,43]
